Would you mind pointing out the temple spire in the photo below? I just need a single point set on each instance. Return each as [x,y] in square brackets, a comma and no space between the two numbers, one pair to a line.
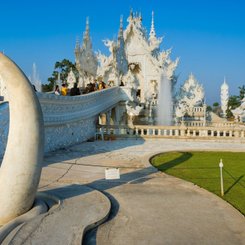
[87,27]
[225,80]
[86,37]
[120,33]
[152,32]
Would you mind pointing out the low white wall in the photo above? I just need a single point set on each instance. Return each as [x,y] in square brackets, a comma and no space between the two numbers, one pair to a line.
[67,120]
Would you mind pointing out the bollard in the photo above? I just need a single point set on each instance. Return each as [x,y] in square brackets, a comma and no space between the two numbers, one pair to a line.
[221,178]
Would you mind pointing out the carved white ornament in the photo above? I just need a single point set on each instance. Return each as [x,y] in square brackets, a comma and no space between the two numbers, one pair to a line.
[71,79]
[224,97]
[191,94]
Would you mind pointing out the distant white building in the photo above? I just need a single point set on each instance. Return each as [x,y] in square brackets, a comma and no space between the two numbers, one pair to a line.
[224,97]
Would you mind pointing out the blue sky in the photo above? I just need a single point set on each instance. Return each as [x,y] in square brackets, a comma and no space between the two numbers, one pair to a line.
[208,36]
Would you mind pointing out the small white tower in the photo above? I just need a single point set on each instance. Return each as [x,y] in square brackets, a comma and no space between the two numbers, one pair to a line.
[224,97]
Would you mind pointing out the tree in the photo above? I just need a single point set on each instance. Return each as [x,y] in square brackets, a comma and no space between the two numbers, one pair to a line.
[233,103]
[216,108]
[241,92]
[215,104]
[209,108]
[63,68]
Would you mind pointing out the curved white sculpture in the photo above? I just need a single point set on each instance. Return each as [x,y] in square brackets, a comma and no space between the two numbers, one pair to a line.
[22,162]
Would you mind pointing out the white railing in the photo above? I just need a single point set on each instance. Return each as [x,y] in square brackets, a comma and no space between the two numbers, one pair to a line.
[176,132]
[210,124]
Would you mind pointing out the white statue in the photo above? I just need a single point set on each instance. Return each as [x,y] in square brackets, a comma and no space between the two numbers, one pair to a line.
[191,94]
[71,79]
[22,162]
[224,97]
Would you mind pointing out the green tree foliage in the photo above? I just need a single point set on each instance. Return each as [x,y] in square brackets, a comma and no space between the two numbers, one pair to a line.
[63,67]
[233,103]
[216,108]
[241,92]
[209,108]
[215,104]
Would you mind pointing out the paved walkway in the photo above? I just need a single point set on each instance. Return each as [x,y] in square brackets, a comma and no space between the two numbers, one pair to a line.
[148,207]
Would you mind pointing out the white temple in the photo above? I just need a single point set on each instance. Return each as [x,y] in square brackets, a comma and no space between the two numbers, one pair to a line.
[135,60]
[224,97]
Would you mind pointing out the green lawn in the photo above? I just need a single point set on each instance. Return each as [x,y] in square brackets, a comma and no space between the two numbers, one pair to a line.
[202,168]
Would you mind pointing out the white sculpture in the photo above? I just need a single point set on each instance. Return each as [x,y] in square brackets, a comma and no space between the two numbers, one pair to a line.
[22,162]
[224,97]
[71,79]
[191,94]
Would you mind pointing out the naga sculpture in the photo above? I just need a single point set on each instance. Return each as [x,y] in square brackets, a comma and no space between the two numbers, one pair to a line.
[22,162]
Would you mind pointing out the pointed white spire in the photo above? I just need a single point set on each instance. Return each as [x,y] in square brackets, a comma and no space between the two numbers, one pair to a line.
[87,27]
[224,85]
[152,32]
[225,80]
[120,33]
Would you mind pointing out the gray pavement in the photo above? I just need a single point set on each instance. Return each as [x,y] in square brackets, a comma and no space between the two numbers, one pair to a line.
[148,207]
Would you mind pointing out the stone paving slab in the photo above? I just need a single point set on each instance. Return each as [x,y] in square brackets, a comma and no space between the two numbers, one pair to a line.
[81,207]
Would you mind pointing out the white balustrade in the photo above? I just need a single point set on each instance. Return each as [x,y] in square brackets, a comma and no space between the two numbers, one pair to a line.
[185,132]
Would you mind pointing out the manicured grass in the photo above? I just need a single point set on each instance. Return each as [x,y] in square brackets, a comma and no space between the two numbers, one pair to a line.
[202,168]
